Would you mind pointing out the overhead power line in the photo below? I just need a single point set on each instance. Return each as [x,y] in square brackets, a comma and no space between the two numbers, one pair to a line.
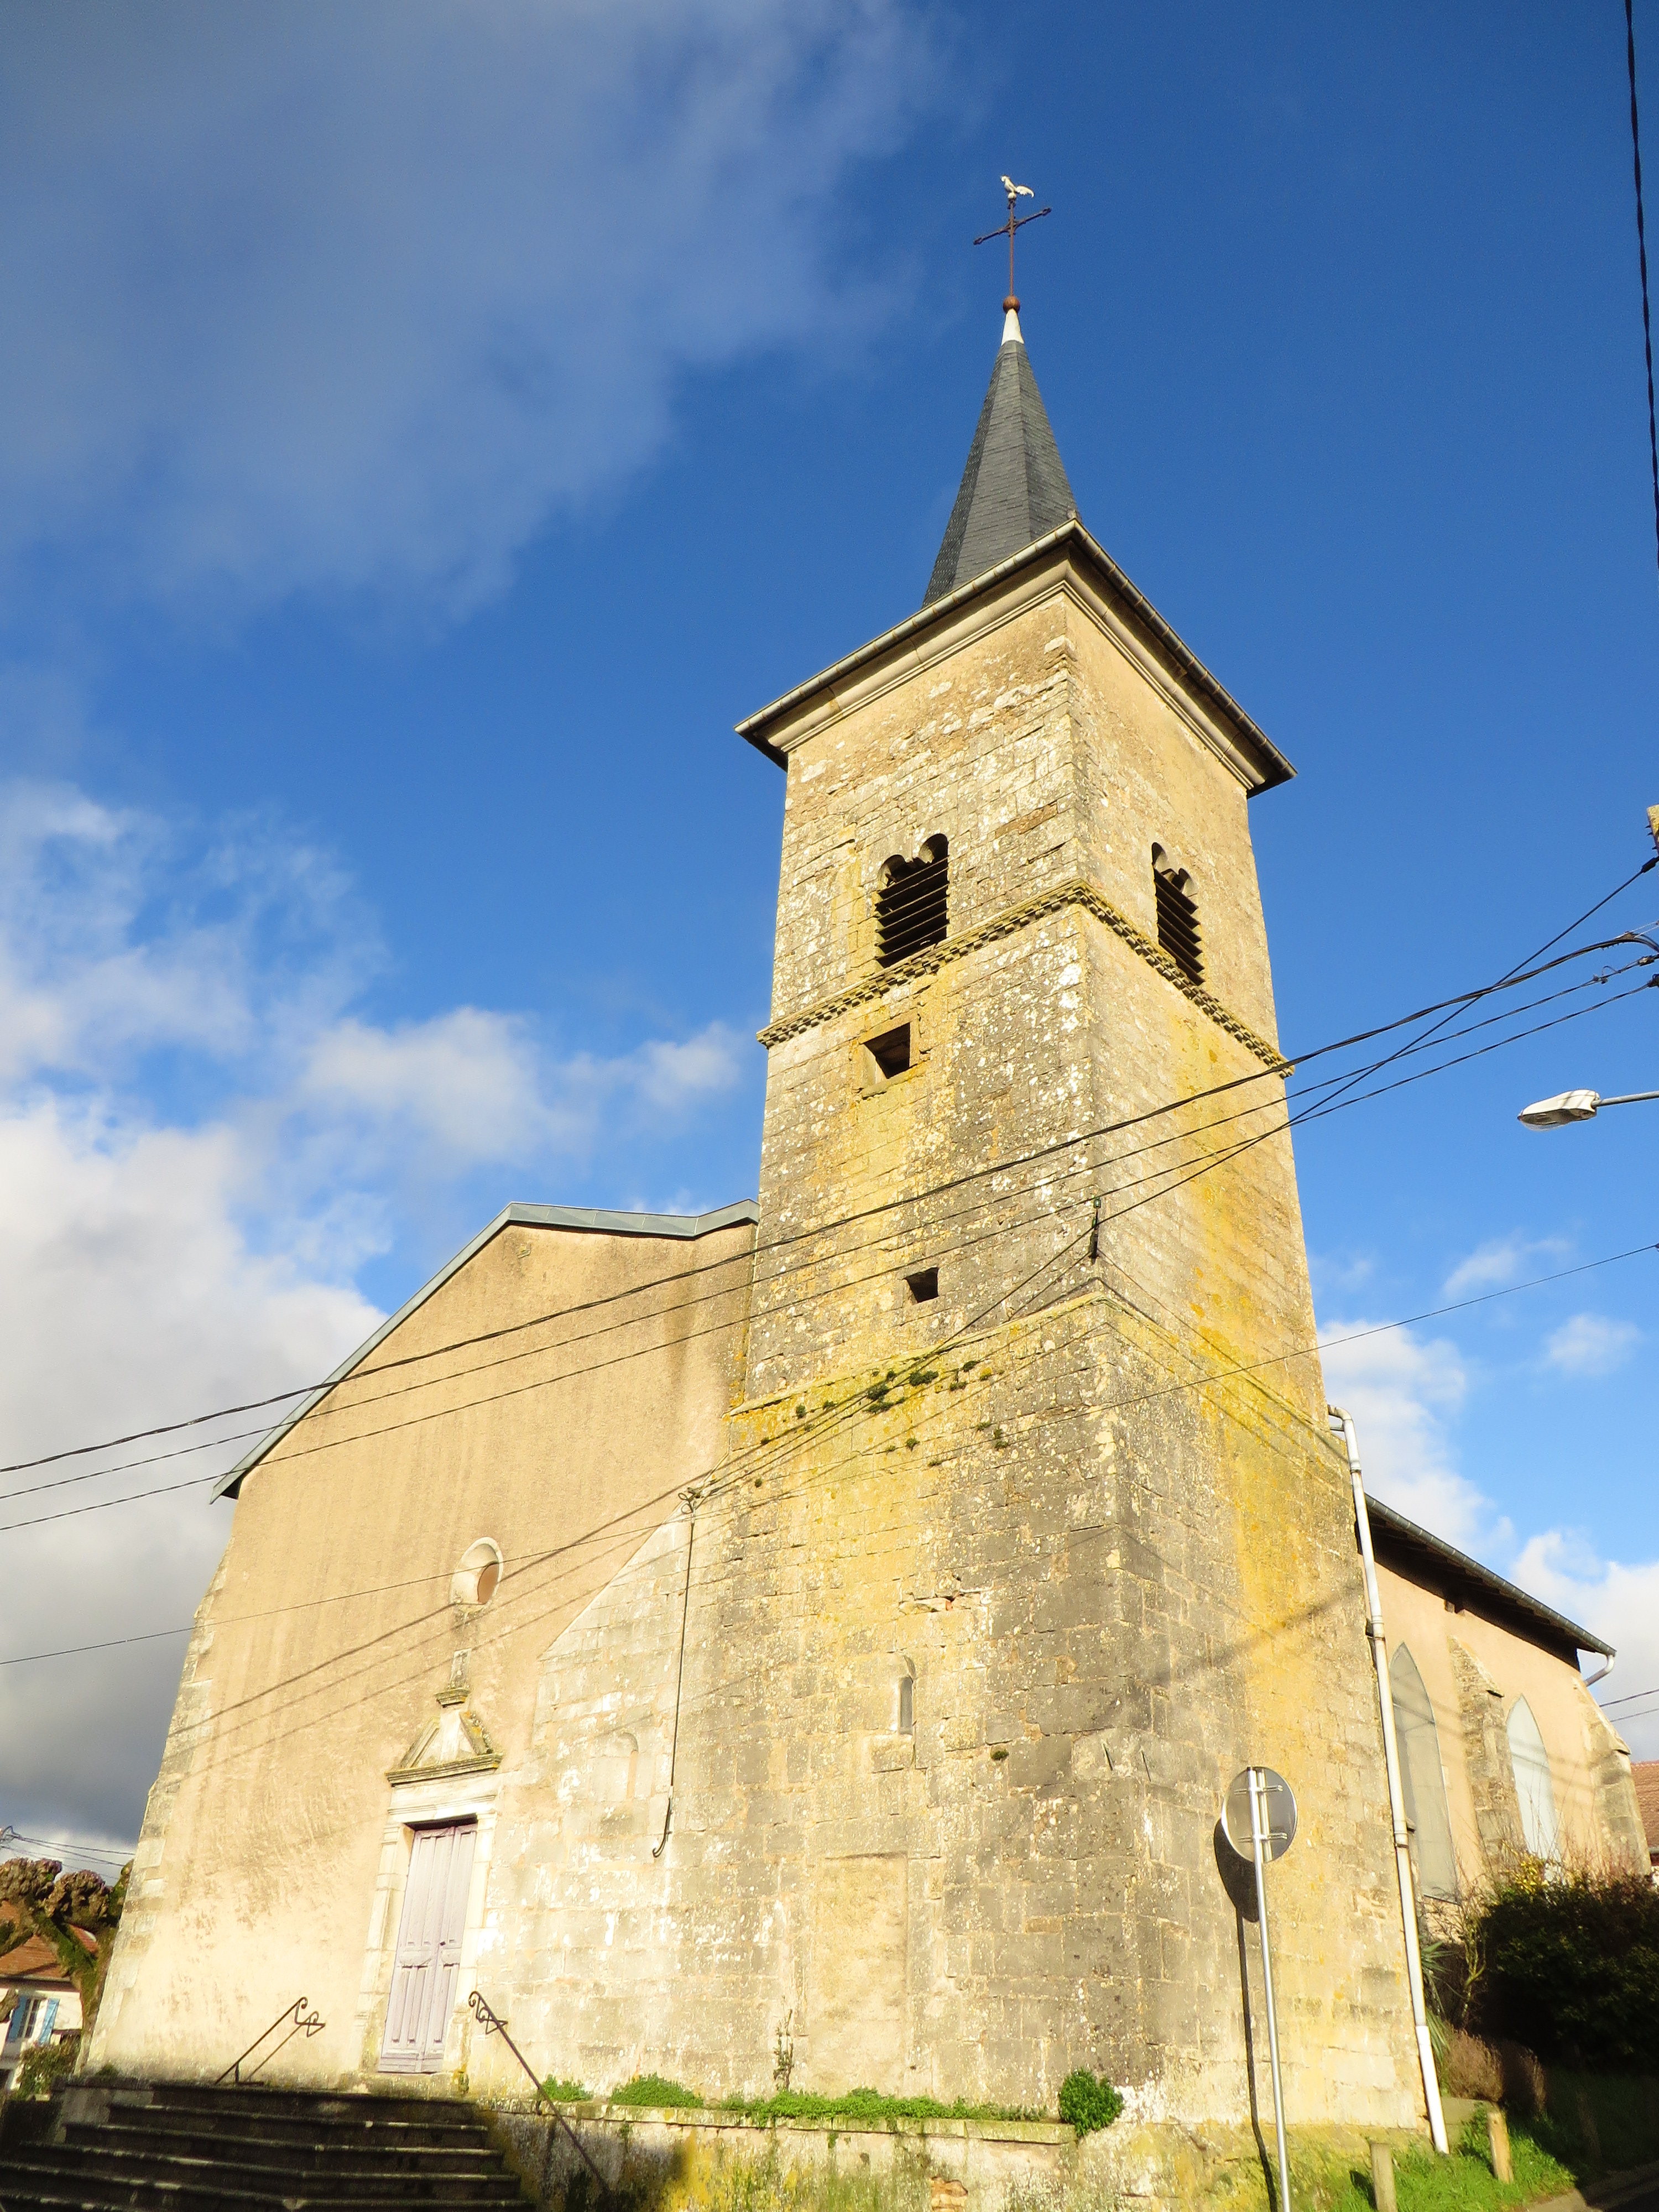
[626,1531]
[1198,1382]
[1514,977]
[85,1851]
[1206,1164]
[1086,1169]
[1642,255]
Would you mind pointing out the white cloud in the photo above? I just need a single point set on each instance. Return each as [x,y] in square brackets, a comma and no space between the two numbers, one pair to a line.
[155,1262]
[353,299]
[128,1294]
[673,1077]
[1402,1390]
[1591,1344]
[476,1087]
[1405,1393]
[468,1081]
[1499,1263]
[1345,1274]
[1620,1602]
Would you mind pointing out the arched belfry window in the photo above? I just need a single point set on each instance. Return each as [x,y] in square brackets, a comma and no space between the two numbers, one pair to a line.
[1532,1783]
[1422,1780]
[912,900]
[1177,916]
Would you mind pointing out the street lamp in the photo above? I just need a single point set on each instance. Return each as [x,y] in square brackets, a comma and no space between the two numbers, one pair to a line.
[1575,1106]
[1584,1105]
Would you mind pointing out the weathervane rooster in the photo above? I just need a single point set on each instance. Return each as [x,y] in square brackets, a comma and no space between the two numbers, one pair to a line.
[1016,222]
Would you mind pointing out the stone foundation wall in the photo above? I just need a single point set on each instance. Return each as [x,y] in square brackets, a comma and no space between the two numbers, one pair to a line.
[666,2160]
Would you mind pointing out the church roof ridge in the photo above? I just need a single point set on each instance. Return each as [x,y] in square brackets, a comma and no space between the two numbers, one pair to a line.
[1276,769]
[1408,1540]
[519,1213]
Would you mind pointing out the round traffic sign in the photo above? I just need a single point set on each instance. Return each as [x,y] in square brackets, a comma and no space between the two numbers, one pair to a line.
[1276,1814]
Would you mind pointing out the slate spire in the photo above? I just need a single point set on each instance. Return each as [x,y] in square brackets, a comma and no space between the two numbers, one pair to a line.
[1014,487]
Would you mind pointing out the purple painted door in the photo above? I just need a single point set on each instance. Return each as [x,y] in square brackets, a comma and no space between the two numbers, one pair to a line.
[428,1949]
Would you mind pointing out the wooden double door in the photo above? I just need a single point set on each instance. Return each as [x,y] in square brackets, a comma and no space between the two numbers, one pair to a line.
[429,1959]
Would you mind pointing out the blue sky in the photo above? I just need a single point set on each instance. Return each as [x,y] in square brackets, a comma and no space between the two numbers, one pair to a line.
[427,430]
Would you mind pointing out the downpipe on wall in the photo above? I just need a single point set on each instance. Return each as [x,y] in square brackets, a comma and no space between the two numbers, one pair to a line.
[1402,1856]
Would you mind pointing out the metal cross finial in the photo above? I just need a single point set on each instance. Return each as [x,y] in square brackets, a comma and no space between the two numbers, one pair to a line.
[1016,222]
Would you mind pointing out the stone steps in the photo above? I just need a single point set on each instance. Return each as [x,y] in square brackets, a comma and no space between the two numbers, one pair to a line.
[118,2147]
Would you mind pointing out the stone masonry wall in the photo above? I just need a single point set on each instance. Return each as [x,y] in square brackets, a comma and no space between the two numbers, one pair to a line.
[992,1598]
[1026,1877]
[1215,1601]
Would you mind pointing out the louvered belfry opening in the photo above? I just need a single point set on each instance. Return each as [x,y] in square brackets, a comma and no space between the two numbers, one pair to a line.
[1177,916]
[912,900]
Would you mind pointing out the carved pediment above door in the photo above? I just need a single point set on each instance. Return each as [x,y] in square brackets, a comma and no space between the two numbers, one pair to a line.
[456,1742]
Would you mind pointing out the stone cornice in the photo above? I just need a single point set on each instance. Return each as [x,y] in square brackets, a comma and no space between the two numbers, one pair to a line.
[939,630]
[1074,891]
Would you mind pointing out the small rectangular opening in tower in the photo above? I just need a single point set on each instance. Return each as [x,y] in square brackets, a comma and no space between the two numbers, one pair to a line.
[890,1051]
[923,1286]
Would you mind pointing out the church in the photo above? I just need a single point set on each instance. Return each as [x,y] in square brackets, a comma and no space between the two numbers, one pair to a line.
[833,1622]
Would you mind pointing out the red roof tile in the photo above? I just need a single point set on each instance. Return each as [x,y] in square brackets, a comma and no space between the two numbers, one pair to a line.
[36,1961]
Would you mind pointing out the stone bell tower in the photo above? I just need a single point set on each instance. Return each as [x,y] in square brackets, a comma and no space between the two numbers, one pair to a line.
[1045,1536]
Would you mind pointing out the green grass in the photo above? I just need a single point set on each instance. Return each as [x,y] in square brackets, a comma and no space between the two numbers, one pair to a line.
[565,2093]
[656,2091]
[1465,2182]
[868,2106]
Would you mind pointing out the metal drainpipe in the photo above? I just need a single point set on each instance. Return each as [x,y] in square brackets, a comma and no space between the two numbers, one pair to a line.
[1403,1857]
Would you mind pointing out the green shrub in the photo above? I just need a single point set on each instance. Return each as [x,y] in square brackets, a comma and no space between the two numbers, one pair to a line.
[1089,2101]
[46,2063]
[565,2093]
[651,2089]
[1570,1965]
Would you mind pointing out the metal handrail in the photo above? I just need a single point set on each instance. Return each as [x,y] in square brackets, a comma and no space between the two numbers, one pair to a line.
[482,2010]
[301,2022]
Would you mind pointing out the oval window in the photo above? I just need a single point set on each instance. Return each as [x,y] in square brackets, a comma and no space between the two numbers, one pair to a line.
[475,1581]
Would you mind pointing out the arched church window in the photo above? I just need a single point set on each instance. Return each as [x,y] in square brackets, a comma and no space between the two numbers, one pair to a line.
[1532,1783]
[1177,916]
[912,899]
[1422,1779]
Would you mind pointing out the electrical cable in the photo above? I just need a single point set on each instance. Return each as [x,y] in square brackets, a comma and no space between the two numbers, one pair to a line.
[1630,1697]
[1218,1158]
[1642,255]
[87,1850]
[356,1403]
[850,1405]
[1511,980]
[721,1479]
[1319,1345]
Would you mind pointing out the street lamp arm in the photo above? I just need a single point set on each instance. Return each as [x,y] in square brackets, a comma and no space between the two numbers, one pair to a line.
[1628,1098]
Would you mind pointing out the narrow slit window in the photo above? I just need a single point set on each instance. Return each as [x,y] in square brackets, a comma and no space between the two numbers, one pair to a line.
[906,1716]
[912,903]
[891,1052]
[1177,916]
[923,1286]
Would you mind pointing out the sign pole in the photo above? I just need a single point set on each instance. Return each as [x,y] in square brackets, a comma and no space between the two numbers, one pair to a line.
[1258,1836]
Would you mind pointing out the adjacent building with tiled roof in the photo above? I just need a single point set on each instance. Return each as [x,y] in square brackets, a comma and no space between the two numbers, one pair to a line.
[1645,1774]
[42,2000]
